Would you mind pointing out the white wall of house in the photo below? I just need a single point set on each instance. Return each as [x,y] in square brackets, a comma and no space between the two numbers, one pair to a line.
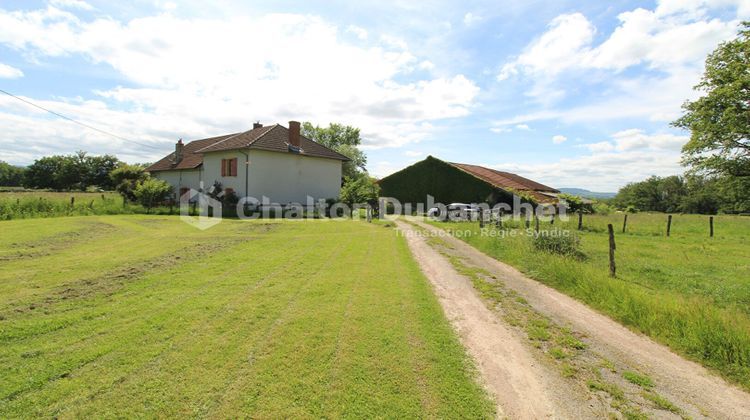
[282,177]
[184,178]
[212,171]
[290,178]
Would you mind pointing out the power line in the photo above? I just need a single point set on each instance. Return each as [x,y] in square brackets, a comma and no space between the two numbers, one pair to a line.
[78,122]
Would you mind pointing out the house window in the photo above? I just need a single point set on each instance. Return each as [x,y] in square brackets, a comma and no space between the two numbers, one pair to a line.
[229,167]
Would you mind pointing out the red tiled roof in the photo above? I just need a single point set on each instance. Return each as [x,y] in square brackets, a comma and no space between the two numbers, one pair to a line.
[190,159]
[507,180]
[273,138]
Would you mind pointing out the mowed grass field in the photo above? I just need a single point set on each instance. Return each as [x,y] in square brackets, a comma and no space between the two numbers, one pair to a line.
[689,291]
[146,316]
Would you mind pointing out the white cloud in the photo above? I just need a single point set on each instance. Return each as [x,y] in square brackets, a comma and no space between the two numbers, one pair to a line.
[523,127]
[71,4]
[500,130]
[559,139]
[558,48]
[358,31]
[630,155]
[304,69]
[644,36]
[470,19]
[426,65]
[602,146]
[669,43]
[9,72]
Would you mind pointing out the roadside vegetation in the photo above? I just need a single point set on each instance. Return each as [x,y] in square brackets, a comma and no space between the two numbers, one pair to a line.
[26,204]
[688,291]
[269,319]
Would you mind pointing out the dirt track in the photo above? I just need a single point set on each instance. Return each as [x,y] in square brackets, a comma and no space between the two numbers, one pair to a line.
[520,378]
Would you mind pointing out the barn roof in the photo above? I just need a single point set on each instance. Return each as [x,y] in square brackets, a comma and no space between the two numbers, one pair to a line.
[509,181]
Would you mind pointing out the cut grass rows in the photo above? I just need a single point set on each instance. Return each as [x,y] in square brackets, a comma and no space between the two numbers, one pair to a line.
[303,320]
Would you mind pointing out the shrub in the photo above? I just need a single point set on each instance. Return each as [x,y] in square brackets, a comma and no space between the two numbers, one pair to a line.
[603,208]
[125,179]
[574,202]
[559,242]
[360,190]
[151,192]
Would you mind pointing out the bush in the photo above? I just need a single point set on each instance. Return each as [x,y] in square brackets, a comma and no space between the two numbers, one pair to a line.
[360,191]
[559,242]
[125,179]
[603,208]
[151,192]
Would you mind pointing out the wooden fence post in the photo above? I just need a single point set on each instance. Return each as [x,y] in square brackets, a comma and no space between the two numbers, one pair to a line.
[669,224]
[625,223]
[536,223]
[612,268]
[72,201]
[528,221]
[711,225]
[500,219]
[580,220]
[552,221]
[481,219]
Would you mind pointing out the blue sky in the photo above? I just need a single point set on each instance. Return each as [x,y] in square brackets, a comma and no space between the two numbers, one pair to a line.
[572,94]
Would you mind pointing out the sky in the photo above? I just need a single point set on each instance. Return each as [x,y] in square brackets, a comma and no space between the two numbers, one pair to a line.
[570,94]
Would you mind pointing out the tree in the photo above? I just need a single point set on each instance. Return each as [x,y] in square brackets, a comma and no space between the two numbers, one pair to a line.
[45,173]
[653,194]
[126,177]
[359,191]
[344,139]
[77,171]
[151,191]
[11,176]
[719,121]
[573,202]
[98,170]
[703,195]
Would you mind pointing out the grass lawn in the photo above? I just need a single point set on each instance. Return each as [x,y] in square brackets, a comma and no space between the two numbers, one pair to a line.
[688,291]
[115,316]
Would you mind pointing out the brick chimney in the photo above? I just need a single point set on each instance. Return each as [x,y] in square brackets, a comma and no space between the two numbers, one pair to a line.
[178,151]
[257,125]
[294,133]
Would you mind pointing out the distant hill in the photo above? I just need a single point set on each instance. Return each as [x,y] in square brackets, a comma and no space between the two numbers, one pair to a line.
[586,193]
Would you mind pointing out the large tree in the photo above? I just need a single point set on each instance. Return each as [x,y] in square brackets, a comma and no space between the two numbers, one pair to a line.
[77,171]
[10,176]
[719,121]
[344,139]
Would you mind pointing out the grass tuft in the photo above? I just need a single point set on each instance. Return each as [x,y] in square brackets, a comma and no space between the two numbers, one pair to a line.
[638,379]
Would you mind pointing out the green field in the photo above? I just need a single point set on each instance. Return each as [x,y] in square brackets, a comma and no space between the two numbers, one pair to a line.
[33,204]
[689,291]
[133,316]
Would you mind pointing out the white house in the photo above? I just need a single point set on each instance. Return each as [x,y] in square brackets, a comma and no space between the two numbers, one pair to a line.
[273,161]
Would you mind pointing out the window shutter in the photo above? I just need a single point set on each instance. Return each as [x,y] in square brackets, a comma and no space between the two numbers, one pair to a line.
[234,167]
[223,167]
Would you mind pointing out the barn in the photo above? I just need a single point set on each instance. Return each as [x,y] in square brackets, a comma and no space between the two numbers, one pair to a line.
[450,182]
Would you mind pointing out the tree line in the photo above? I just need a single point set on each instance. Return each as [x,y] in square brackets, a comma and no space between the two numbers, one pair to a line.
[78,171]
[718,152]
[686,194]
